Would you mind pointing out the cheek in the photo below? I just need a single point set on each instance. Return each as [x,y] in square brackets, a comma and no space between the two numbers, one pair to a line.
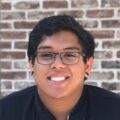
[78,71]
[40,72]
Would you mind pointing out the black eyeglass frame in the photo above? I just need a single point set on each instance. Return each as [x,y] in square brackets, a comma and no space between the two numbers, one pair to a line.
[60,56]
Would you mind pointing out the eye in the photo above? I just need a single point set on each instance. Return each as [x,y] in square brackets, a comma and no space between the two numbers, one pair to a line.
[46,56]
[70,55]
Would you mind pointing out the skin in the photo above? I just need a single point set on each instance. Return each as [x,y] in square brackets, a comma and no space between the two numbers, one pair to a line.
[60,97]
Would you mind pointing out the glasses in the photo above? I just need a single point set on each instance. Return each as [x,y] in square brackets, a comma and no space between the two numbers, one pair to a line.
[68,58]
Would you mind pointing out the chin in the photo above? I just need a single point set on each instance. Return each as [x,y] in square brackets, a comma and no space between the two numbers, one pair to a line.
[58,95]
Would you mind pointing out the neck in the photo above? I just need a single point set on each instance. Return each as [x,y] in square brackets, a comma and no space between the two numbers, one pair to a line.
[60,107]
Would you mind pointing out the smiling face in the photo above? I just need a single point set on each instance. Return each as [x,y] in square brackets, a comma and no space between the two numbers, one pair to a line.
[58,80]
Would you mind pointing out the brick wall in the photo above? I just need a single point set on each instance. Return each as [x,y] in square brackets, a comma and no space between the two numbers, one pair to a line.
[17,18]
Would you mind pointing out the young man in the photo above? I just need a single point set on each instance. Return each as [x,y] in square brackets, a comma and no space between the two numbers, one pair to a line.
[60,55]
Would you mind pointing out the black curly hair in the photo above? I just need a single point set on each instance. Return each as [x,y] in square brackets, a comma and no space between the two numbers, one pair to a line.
[53,24]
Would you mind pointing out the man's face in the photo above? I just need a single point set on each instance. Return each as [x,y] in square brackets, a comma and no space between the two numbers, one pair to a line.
[58,80]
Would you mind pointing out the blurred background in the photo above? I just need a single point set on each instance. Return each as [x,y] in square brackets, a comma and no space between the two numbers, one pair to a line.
[18,17]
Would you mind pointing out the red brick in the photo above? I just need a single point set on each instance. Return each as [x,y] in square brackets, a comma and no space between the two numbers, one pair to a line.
[110,3]
[89,23]
[100,13]
[6,85]
[12,55]
[5,25]
[12,15]
[5,65]
[118,14]
[27,5]
[5,6]
[111,64]
[22,85]
[103,54]
[101,76]
[84,3]
[118,75]
[39,15]
[55,4]
[13,75]
[21,65]
[12,35]
[74,13]
[111,44]
[111,23]
[24,25]
[21,45]
[118,54]
[111,86]
[4,45]
[103,34]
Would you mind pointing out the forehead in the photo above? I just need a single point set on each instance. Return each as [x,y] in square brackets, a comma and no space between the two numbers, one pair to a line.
[60,41]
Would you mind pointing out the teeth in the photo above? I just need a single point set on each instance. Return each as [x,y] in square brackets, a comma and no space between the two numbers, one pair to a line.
[58,78]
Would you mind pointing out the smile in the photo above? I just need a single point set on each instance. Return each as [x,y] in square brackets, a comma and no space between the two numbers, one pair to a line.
[57,79]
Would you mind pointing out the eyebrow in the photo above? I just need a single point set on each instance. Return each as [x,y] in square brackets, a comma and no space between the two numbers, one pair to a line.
[49,47]
[72,48]
[44,47]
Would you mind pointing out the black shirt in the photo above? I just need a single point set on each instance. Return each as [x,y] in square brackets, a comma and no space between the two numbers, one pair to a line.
[94,104]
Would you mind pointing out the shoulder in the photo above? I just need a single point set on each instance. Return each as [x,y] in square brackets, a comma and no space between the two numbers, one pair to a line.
[14,105]
[18,96]
[101,92]
[102,104]
[102,100]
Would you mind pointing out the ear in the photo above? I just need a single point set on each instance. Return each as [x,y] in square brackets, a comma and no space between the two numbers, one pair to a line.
[31,65]
[89,65]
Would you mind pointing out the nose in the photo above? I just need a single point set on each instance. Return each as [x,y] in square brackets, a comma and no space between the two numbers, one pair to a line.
[58,64]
